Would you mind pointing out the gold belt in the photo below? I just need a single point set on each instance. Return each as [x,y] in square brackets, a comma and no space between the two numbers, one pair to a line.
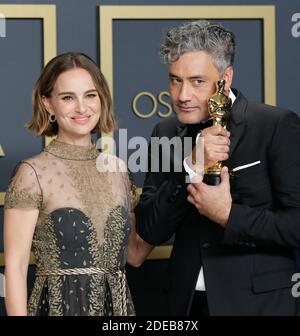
[76,271]
[122,301]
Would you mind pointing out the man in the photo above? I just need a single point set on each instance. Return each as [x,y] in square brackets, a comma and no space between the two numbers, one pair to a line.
[233,252]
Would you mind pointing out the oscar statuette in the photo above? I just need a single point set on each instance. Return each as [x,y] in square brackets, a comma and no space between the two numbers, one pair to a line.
[219,107]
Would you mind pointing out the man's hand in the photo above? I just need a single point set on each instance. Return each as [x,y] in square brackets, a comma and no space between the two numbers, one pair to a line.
[214,202]
[216,145]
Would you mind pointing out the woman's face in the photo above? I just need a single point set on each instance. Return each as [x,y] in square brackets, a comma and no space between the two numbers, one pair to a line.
[76,105]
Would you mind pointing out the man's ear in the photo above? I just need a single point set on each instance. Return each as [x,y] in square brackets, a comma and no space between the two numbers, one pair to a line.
[228,76]
[47,104]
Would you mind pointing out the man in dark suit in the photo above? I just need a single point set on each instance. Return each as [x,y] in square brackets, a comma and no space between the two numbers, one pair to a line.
[233,252]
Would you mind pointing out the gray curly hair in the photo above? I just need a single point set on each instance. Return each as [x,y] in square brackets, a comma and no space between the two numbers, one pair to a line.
[201,35]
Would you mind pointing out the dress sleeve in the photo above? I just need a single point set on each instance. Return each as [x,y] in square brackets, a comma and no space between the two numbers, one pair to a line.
[24,190]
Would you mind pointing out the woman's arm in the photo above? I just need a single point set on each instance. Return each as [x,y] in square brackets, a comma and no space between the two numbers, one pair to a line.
[138,249]
[19,225]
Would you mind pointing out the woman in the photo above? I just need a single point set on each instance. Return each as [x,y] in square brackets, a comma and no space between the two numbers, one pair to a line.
[77,219]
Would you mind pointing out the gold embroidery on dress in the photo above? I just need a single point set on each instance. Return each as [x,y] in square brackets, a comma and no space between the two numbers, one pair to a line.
[97,282]
[71,152]
[33,303]
[47,253]
[22,198]
[114,249]
[68,178]
[88,181]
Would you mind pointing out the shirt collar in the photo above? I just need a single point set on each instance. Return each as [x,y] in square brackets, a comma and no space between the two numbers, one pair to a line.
[231,96]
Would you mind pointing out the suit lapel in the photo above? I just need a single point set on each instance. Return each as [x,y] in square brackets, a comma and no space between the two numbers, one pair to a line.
[237,121]
[181,132]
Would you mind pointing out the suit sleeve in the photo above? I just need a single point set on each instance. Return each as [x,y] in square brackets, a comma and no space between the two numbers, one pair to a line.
[163,204]
[281,224]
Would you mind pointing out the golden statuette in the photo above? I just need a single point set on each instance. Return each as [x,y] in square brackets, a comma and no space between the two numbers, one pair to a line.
[219,108]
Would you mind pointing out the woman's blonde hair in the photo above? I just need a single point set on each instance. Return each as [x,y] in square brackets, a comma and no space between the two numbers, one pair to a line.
[39,122]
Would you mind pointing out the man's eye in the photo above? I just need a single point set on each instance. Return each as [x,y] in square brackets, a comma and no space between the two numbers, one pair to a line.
[198,81]
[67,98]
[175,80]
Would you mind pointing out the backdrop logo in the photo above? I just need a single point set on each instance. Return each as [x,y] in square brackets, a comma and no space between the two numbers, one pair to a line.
[2,25]
[162,99]
[296,27]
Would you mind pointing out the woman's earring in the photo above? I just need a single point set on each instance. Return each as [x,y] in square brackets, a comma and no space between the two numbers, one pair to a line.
[52,118]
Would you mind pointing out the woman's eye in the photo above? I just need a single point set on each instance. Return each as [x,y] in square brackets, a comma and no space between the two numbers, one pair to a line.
[67,98]
[91,95]
[198,81]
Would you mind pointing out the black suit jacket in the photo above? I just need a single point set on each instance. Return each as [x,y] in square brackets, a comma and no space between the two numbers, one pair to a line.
[247,266]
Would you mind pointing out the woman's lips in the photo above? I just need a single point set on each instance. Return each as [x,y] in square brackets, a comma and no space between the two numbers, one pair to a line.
[81,119]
